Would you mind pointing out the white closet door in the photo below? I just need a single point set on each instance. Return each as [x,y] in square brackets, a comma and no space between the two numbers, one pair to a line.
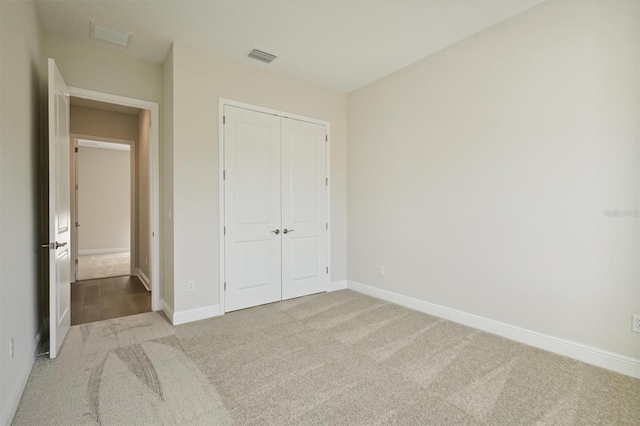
[252,208]
[304,208]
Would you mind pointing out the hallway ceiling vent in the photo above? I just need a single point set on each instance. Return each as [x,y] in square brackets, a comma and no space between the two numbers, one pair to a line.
[262,56]
[111,35]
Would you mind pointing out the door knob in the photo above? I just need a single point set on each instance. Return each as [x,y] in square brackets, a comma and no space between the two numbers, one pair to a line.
[54,246]
[276,231]
[286,231]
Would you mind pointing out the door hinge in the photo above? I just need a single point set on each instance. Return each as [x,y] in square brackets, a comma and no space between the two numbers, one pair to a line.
[327,225]
[327,269]
[326,138]
[224,175]
[225,286]
[224,231]
[224,119]
[76,261]
[76,149]
[76,186]
[326,182]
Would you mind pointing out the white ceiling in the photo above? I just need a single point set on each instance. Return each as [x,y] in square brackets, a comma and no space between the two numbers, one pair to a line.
[339,44]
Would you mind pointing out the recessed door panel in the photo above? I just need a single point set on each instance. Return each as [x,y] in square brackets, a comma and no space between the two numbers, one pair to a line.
[252,208]
[254,268]
[304,212]
[303,177]
[304,255]
[63,296]
[253,172]
[63,171]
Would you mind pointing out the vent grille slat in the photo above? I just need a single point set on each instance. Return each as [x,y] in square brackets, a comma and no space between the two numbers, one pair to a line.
[262,56]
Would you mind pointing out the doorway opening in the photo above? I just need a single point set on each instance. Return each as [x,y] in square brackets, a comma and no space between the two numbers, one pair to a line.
[61,223]
[111,210]
[104,192]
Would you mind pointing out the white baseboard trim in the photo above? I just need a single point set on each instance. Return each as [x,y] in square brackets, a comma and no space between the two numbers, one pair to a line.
[195,314]
[337,285]
[164,307]
[9,410]
[103,251]
[143,278]
[589,354]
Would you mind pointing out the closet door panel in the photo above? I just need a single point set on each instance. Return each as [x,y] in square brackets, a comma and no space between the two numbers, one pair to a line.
[252,208]
[304,208]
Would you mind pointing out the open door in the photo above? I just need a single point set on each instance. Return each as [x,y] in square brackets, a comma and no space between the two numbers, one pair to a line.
[59,211]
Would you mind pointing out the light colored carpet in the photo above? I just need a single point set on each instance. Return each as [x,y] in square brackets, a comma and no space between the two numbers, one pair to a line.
[332,358]
[92,266]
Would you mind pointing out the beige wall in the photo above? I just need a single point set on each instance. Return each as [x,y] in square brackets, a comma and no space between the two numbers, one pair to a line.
[106,124]
[199,80]
[104,200]
[479,177]
[102,70]
[143,194]
[21,159]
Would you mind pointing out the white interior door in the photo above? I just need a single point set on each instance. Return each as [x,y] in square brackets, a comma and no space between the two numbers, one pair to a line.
[59,211]
[304,208]
[252,208]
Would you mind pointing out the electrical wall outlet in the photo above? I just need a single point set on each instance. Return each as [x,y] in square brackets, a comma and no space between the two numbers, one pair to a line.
[12,349]
[636,324]
[191,285]
[381,270]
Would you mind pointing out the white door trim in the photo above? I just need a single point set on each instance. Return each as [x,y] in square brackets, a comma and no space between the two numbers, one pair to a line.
[155,176]
[221,103]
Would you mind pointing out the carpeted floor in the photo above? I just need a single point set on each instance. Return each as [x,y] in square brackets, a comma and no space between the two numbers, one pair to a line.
[92,266]
[332,358]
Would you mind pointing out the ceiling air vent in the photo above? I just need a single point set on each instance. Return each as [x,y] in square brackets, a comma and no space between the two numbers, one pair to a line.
[110,35]
[262,56]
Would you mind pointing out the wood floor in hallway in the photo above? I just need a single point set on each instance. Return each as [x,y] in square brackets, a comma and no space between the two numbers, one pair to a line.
[106,298]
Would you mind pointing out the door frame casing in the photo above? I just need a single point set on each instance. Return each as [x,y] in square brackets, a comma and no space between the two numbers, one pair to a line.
[222,102]
[154,138]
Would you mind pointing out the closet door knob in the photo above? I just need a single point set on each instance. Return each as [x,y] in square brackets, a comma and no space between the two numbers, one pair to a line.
[286,231]
[277,231]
